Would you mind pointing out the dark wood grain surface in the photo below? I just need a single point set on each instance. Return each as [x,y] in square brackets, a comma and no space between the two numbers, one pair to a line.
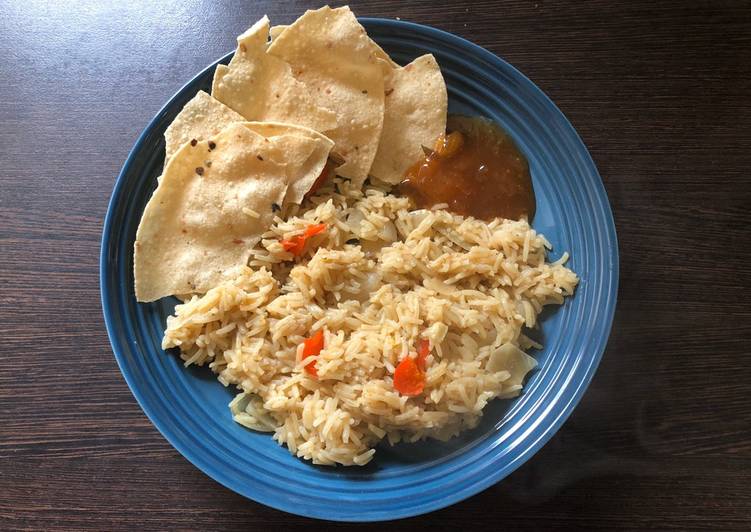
[659,92]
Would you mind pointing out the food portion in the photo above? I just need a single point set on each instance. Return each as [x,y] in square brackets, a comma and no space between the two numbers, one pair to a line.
[332,56]
[316,166]
[414,116]
[324,72]
[360,268]
[204,117]
[386,323]
[477,170]
[215,199]
[201,118]
[262,87]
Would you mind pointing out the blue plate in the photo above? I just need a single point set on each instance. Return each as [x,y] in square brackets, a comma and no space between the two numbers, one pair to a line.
[189,406]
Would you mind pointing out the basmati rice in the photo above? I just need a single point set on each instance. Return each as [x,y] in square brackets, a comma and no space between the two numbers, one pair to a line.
[382,276]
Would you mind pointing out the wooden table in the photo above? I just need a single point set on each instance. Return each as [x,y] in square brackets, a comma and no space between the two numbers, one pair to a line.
[658,91]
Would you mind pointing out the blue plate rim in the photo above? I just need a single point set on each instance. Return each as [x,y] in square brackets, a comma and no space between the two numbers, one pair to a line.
[565,409]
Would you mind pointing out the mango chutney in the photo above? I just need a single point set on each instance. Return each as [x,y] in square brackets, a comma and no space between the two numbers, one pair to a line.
[476,169]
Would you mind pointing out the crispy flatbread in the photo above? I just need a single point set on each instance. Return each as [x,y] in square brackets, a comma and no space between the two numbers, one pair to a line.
[204,117]
[304,178]
[219,73]
[331,54]
[201,118]
[211,207]
[275,31]
[388,63]
[414,116]
[262,87]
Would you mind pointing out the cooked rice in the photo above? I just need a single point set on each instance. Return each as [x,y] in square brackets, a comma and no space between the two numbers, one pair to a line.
[468,286]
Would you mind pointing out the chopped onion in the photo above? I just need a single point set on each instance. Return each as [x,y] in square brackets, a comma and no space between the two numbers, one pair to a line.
[388,232]
[354,221]
[510,358]
[368,285]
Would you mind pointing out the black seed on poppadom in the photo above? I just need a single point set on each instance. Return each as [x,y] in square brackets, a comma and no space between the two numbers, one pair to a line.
[275,207]
[199,170]
[212,145]
[193,142]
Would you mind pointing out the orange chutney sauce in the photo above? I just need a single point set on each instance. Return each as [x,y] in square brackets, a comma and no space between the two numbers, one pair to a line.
[477,170]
